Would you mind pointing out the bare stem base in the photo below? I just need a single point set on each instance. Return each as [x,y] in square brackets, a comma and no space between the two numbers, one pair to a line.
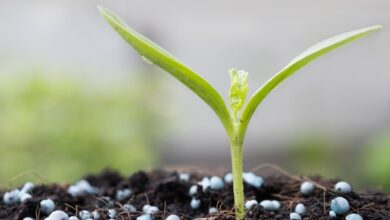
[238,186]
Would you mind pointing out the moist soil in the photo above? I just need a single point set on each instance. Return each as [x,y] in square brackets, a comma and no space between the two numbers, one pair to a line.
[165,190]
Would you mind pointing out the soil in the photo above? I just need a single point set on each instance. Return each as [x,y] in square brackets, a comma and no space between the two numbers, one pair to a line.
[165,190]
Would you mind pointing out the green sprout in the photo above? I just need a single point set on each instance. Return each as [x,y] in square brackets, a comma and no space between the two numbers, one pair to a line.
[234,123]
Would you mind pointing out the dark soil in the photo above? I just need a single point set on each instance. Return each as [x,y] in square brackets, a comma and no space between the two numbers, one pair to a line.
[165,190]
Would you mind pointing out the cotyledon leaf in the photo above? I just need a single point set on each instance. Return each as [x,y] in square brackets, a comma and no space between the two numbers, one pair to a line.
[297,63]
[158,56]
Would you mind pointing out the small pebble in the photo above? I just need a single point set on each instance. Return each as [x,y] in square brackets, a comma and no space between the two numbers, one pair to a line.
[47,206]
[205,183]
[251,203]
[193,190]
[85,214]
[332,214]
[25,197]
[213,210]
[74,191]
[81,188]
[228,178]
[295,216]
[268,205]
[354,216]
[172,217]
[11,197]
[216,183]
[95,215]
[343,187]
[307,188]
[73,218]
[276,204]
[28,218]
[123,194]
[300,209]
[15,196]
[195,203]
[144,217]
[339,205]
[145,208]
[149,209]
[184,177]
[58,215]
[253,180]
[129,208]
[152,209]
[112,212]
[27,187]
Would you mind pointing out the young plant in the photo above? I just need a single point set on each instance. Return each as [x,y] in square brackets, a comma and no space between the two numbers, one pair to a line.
[237,119]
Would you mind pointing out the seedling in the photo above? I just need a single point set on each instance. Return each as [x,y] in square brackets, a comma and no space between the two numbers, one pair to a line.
[235,120]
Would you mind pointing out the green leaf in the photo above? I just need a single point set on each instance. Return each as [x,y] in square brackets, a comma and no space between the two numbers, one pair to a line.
[238,90]
[158,56]
[300,61]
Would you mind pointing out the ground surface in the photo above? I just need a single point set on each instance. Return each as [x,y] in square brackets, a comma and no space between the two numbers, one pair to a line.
[165,190]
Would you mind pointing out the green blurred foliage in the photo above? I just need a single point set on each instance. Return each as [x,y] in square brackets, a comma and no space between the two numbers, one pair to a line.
[315,154]
[364,165]
[62,128]
[376,161]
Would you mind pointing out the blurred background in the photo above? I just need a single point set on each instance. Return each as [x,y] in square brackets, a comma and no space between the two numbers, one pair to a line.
[74,98]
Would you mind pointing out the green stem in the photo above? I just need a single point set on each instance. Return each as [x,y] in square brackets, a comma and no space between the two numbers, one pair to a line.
[238,186]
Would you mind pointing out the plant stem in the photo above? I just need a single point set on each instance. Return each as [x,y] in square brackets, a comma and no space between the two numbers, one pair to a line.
[238,186]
